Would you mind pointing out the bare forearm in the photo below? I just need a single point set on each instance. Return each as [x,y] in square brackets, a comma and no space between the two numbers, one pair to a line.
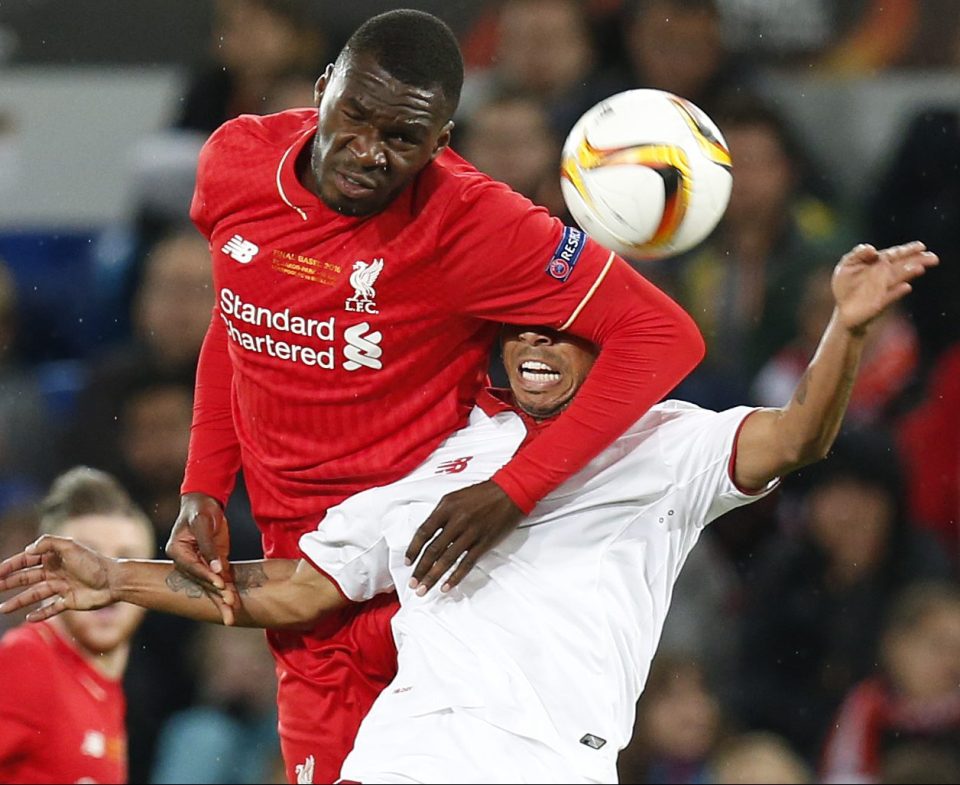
[774,442]
[268,596]
[811,420]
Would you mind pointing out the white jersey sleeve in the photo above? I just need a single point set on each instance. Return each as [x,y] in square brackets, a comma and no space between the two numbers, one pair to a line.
[698,447]
[351,550]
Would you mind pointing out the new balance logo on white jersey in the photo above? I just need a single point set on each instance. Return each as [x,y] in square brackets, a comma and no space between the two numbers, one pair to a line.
[305,771]
[363,347]
[240,250]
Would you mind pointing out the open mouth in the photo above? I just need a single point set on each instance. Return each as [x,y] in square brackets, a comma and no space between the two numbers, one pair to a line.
[538,374]
[355,186]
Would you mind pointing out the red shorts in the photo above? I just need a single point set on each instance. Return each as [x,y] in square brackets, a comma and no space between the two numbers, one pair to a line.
[328,680]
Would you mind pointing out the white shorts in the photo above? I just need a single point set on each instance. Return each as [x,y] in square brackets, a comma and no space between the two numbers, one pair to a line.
[452,746]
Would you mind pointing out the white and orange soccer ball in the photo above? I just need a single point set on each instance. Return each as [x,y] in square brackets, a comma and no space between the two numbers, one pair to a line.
[646,174]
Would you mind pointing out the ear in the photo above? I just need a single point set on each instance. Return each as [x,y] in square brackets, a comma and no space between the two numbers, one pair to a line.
[321,85]
[443,140]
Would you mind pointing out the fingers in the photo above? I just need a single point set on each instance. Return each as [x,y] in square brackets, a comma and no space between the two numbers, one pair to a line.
[188,561]
[467,563]
[48,610]
[18,562]
[227,614]
[32,596]
[434,567]
[21,578]
[424,534]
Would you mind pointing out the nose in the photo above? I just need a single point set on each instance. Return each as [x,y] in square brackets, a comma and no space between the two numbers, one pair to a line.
[534,338]
[368,150]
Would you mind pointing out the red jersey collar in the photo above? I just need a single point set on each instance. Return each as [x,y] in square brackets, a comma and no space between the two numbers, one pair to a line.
[289,188]
[495,400]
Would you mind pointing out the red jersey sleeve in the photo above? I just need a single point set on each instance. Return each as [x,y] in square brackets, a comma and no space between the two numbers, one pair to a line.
[547,274]
[214,456]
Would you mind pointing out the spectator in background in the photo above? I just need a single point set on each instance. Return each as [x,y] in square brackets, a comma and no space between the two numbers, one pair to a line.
[545,51]
[758,757]
[914,697]
[677,46]
[929,437]
[170,311]
[850,38]
[741,285]
[61,701]
[255,44]
[678,725]
[235,720]
[812,627]
[26,431]
[888,368]
[920,192]
[510,139]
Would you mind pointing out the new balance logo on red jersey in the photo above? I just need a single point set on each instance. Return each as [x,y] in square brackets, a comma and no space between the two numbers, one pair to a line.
[240,250]
[363,347]
[455,466]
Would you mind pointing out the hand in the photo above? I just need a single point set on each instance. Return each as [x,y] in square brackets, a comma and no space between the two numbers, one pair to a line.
[74,576]
[467,523]
[867,281]
[199,545]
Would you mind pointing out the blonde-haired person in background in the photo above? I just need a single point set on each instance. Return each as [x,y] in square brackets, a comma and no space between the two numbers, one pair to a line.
[62,706]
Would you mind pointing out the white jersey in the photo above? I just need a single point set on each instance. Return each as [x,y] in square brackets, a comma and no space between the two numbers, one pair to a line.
[549,639]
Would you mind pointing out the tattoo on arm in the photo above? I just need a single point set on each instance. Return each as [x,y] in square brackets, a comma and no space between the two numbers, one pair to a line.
[176,581]
[802,387]
[249,576]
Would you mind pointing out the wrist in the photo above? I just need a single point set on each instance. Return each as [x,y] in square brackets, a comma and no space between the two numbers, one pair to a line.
[119,577]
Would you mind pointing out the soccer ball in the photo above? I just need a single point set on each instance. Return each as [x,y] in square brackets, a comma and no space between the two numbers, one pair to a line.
[646,173]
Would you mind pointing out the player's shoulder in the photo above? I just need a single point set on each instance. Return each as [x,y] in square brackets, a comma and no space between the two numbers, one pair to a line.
[26,650]
[454,182]
[255,136]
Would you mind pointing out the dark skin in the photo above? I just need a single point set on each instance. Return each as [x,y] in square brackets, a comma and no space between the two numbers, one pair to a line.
[545,368]
[375,134]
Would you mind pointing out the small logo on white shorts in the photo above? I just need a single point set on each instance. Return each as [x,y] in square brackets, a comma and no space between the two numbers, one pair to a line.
[305,771]
[593,742]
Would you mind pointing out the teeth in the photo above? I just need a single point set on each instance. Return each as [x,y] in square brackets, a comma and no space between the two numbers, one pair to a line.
[539,377]
[536,365]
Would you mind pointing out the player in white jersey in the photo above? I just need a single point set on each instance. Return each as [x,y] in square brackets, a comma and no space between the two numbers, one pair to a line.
[527,671]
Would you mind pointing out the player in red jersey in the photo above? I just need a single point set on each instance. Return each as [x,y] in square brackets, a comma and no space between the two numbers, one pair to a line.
[361,270]
[61,700]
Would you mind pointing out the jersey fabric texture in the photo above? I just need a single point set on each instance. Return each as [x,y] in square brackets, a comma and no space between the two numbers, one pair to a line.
[343,350]
[60,719]
[551,636]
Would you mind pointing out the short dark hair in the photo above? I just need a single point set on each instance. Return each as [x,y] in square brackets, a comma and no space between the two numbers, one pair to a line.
[84,491]
[415,47]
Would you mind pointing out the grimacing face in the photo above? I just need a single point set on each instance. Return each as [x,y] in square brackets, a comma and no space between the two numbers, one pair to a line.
[116,536]
[545,367]
[374,135]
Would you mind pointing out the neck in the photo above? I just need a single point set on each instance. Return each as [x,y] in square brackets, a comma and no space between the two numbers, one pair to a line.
[111,664]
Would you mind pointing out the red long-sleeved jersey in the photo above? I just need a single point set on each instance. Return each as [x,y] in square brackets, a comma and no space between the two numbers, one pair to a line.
[61,720]
[342,350]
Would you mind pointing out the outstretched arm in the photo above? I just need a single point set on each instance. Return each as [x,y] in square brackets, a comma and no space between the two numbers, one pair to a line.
[61,574]
[865,283]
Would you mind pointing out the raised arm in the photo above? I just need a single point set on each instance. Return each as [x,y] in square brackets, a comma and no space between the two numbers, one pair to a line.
[865,283]
[61,574]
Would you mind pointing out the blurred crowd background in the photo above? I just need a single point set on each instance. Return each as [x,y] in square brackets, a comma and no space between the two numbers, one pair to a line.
[815,635]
